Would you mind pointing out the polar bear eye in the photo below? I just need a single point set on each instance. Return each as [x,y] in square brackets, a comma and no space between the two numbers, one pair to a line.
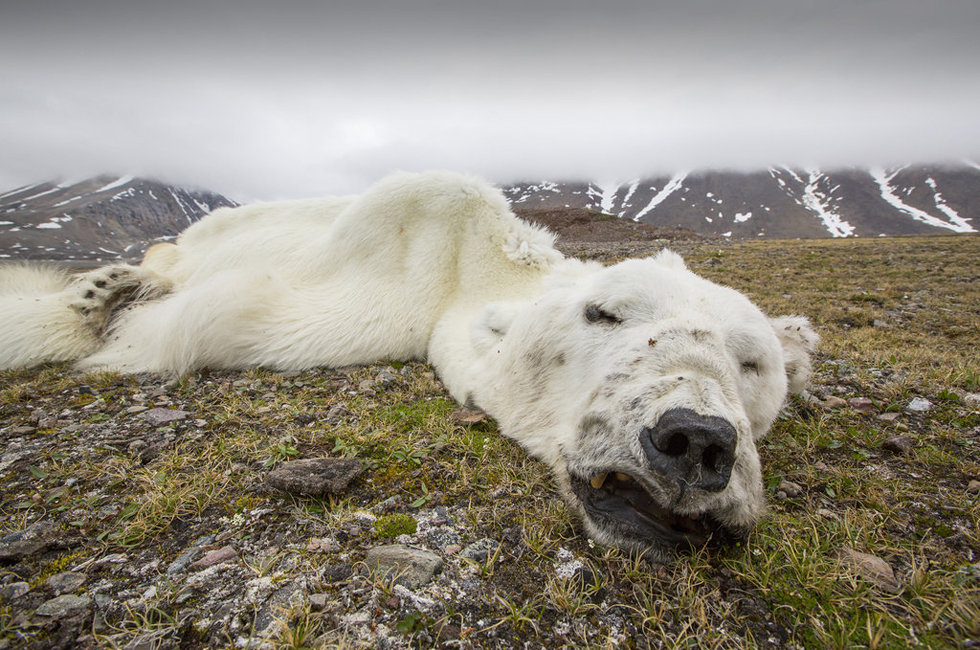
[750,366]
[595,314]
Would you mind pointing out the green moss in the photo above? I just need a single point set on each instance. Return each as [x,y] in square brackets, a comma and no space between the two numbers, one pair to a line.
[394,525]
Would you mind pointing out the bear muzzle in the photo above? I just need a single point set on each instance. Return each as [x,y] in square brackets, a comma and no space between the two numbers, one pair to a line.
[695,451]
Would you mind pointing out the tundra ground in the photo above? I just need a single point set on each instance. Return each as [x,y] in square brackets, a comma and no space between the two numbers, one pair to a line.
[125,526]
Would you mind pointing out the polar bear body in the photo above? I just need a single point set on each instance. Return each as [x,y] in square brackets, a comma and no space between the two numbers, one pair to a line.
[326,282]
[642,385]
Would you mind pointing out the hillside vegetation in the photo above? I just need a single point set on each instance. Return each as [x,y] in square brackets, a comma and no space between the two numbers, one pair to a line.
[136,511]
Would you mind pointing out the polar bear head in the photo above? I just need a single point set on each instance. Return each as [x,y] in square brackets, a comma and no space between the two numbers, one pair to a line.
[645,387]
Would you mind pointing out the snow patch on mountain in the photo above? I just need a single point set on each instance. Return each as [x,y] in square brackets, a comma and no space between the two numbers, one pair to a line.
[675,183]
[956,223]
[821,204]
[119,182]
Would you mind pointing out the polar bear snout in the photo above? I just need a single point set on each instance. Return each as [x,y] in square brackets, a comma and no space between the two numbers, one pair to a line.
[697,451]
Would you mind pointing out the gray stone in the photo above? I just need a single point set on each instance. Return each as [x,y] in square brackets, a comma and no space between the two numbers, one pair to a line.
[34,539]
[480,551]
[280,600]
[790,489]
[468,416]
[159,417]
[899,444]
[442,537]
[871,568]
[66,582]
[386,378]
[189,555]
[14,590]
[315,476]
[973,487]
[919,405]
[862,405]
[972,400]
[63,606]
[318,602]
[833,402]
[409,567]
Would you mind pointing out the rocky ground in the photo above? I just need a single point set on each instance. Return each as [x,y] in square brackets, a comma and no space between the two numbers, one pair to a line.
[360,507]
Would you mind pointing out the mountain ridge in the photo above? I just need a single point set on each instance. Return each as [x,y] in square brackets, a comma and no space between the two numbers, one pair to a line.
[111,217]
[781,202]
[102,218]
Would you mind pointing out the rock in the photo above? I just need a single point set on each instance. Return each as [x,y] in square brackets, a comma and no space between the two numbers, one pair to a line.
[973,487]
[322,545]
[872,568]
[388,505]
[25,430]
[315,476]
[279,601]
[790,489]
[468,417]
[64,606]
[919,405]
[318,602]
[67,582]
[443,537]
[409,567]
[862,405]
[480,551]
[899,444]
[36,538]
[336,572]
[189,555]
[13,591]
[159,417]
[223,554]
[366,387]
[972,400]
[891,416]
[386,378]
[833,402]
[336,413]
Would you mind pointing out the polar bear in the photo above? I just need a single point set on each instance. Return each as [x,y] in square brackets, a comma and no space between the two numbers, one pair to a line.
[643,386]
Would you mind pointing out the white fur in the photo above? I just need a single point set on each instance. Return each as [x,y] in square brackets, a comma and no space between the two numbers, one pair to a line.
[435,266]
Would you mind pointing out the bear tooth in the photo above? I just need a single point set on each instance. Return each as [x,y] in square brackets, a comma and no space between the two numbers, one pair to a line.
[623,477]
[597,480]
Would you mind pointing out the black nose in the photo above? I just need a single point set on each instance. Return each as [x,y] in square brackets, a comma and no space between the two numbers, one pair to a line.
[695,450]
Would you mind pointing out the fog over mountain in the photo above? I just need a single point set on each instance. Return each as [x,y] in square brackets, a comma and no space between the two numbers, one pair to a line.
[262,101]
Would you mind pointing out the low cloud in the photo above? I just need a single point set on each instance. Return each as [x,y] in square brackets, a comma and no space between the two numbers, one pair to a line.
[260,104]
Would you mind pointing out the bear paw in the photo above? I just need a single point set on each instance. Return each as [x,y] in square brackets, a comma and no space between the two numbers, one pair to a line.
[98,293]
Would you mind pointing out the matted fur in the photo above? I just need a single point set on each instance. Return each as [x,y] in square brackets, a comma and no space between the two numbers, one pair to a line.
[435,266]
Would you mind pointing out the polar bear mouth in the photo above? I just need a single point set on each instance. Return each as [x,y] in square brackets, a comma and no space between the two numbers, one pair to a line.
[619,504]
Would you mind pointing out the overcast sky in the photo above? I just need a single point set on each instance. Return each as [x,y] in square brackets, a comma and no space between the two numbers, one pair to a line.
[313,98]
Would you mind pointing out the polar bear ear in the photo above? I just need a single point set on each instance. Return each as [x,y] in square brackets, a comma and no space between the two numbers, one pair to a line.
[799,341]
[670,259]
[491,326]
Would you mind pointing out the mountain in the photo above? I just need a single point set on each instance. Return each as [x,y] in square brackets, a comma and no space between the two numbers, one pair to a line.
[781,202]
[111,218]
[101,218]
